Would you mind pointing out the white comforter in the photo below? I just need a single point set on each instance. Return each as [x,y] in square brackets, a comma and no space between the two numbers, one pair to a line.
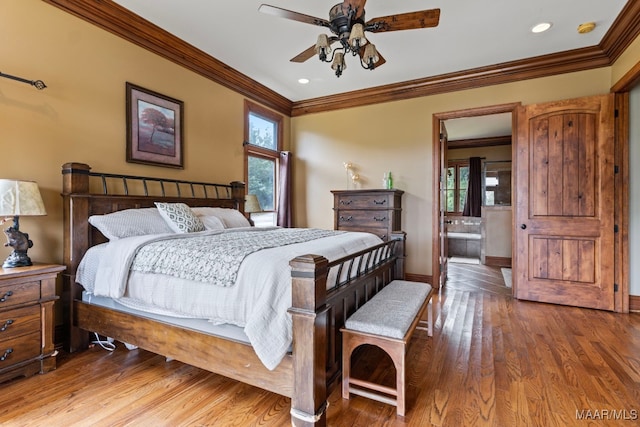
[258,301]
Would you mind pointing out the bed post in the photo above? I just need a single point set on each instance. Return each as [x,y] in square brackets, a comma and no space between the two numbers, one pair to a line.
[75,179]
[237,194]
[309,314]
[399,252]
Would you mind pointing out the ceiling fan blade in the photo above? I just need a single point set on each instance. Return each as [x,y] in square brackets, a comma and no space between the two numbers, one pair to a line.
[357,5]
[295,16]
[310,52]
[305,54]
[404,21]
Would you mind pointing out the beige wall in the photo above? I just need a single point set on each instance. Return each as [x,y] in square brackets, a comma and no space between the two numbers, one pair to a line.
[396,136]
[80,116]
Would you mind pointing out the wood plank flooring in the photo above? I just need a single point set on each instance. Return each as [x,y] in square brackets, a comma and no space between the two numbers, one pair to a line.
[493,361]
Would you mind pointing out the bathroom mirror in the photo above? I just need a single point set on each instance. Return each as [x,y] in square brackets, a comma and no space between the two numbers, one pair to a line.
[496,183]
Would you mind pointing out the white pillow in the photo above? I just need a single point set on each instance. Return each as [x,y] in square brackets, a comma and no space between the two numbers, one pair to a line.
[231,218]
[180,217]
[211,222]
[130,222]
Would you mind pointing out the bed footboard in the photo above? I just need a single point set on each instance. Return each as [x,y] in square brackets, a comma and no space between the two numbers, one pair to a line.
[318,314]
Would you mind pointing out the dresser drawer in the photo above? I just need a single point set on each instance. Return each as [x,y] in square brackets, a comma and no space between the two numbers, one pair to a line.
[363,201]
[20,349]
[375,219]
[20,293]
[19,321]
[382,233]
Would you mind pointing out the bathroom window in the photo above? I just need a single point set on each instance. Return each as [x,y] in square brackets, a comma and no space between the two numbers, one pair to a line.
[457,182]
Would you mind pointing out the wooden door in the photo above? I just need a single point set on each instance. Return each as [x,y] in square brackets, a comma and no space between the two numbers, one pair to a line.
[564,203]
[444,241]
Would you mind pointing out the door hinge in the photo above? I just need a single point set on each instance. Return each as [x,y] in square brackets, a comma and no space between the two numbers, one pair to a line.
[615,287]
[615,228]
[616,113]
[616,169]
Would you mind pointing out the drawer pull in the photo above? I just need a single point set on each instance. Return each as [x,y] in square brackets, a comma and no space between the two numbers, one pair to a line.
[345,202]
[5,296]
[6,354]
[379,202]
[346,218]
[6,325]
[379,219]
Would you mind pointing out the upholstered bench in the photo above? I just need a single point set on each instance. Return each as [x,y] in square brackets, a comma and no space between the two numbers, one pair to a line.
[387,321]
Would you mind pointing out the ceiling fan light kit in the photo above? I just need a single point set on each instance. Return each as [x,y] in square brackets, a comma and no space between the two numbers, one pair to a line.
[346,22]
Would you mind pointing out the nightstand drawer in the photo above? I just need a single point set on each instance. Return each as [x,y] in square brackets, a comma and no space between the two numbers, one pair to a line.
[363,218]
[20,349]
[21,293]
[19,321]
[363,201]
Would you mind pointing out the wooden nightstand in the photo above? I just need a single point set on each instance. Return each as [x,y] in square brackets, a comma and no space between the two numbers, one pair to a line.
[27,295]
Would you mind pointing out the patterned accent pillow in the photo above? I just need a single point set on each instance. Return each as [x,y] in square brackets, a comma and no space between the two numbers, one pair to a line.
[180,217]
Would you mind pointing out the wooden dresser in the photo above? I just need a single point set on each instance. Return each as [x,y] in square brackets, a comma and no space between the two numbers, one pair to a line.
[27,296]
[374,211]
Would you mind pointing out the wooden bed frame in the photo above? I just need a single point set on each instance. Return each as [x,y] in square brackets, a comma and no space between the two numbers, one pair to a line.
[306,375]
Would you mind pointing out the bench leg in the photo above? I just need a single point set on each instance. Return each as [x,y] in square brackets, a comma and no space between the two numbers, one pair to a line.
[430,318]
[400,384]
[346,366]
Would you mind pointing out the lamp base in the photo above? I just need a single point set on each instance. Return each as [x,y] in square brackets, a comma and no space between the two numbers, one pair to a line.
[17,259]
[20,242]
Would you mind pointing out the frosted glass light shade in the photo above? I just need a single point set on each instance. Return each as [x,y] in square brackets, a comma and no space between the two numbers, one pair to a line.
[356,37]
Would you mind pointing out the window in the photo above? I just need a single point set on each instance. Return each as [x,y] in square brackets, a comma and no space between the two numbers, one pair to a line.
[457,183]
[263,142]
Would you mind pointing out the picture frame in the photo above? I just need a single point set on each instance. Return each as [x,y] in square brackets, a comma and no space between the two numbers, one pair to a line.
[154,128]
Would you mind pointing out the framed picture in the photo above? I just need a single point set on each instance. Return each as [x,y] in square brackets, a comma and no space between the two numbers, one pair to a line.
[154,128]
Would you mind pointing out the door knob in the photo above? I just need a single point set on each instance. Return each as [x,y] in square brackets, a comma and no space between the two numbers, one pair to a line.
[523,226]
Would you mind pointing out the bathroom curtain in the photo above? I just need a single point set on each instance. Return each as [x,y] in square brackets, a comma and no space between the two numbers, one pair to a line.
[473,203]
[284,218]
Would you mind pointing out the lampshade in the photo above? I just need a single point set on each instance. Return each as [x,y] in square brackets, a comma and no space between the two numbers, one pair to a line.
[322,45]
[370,55]
[356,37]
[338,62]
[252,204]
[20,198]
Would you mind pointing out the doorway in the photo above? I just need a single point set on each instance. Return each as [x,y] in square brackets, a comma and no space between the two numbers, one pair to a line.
[440,149]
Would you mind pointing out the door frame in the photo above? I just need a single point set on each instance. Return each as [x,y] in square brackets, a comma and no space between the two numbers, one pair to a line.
[438,173]
[623,301]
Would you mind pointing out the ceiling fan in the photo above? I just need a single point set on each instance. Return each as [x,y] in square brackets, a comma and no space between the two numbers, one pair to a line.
[347,23]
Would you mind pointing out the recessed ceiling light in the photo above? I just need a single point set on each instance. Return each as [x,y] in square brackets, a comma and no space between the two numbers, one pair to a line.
[541,27]
[303,81]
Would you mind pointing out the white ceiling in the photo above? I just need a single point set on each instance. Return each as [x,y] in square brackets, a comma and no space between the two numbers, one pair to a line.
[471,34]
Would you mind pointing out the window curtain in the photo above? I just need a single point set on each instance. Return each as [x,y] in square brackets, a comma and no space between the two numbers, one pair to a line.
[285,216]
[473,203]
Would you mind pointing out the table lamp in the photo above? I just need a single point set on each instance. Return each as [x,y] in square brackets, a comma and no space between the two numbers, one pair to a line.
[251,205]
[19,198]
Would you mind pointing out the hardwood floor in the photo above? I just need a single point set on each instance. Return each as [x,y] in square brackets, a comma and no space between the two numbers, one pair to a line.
[493,361]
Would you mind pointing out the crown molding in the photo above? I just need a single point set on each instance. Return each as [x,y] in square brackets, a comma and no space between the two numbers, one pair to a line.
[120,21]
